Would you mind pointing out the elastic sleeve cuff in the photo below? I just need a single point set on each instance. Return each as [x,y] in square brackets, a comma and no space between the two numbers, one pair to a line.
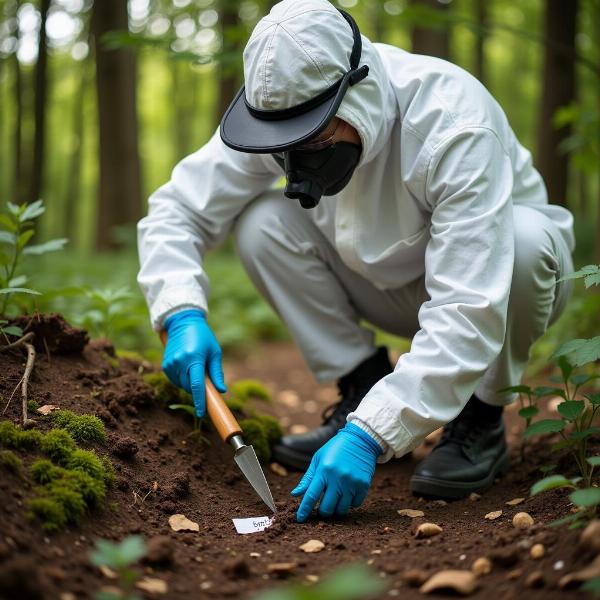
[387,452]
[175,299]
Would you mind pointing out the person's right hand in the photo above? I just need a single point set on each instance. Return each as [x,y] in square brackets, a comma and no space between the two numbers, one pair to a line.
[191,350]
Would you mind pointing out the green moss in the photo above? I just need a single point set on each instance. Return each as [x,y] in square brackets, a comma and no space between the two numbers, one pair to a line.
[32,405]
[43,471]
[66,493]
[244,389]
[58,445]
[90,489]
[113,361]
[49,512]
[164,391]
[271,427]
[255,434]
[11,462]
[14,437]
[130,355]
[235,404]
[85,429]
[109,470]
[87,462]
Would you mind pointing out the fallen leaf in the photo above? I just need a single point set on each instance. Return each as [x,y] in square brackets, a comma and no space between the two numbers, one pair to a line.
[463,582]
[515,501]
[182,523]
[495,514]
[410,512]
[152,585]
[312,546]
[47,409]
[481,566]
[278,469]
[426,530]
[585,574]
[522,520]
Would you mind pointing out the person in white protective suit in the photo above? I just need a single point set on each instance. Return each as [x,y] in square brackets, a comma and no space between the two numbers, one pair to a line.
[409,203]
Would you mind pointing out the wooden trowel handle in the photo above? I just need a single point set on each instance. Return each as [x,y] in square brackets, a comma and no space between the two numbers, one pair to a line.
[219,413]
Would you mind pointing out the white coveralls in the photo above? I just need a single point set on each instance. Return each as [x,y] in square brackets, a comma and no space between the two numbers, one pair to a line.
[444,234]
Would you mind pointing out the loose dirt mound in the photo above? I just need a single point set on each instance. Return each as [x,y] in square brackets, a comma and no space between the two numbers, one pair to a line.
[163,468]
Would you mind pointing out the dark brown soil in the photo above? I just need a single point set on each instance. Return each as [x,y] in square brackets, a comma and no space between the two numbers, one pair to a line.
[164,468]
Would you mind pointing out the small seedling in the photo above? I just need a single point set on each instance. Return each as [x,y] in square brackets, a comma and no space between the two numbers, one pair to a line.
[189,410]
[120,558]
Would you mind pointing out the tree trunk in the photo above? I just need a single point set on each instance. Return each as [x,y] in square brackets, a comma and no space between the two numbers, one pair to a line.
[482,17]
[558,90]
[228,71]
[120,196]
[41,91]
[17,191]
[431,41]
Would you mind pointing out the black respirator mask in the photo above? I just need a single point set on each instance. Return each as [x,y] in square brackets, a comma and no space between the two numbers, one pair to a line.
[311,174]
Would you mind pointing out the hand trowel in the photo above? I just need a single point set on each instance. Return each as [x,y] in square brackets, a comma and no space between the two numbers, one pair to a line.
[231,433]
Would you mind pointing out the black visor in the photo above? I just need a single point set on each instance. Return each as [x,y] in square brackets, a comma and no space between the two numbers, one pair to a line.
[248,129]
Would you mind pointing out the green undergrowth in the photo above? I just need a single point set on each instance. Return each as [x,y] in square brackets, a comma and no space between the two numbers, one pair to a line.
[84,429]
[259,430]
[11,462]
[70,481]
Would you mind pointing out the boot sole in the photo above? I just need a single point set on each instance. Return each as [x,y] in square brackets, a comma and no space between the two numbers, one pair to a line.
[291,458]
[431,487]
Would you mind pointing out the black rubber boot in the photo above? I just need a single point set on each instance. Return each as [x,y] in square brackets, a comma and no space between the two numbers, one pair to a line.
[470,455]
[296,451]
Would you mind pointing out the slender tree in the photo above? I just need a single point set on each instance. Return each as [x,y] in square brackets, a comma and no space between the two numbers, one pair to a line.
[17,191]
[431,40]
[481,8]
[39,107]
[558,89]
[120,196]
[229,66]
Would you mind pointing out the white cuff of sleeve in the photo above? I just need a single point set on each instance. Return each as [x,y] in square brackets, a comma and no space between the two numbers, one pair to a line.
[387,452]
[175,299]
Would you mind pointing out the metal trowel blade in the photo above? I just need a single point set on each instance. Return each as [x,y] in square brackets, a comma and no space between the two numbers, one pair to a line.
[246,460]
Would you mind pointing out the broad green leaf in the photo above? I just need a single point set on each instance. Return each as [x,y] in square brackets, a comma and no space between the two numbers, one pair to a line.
[585,433]
[517,389]
[550,483]
[580,351]
[18,281]
[24,238]
[50,246]
[583,272]
[6,237]
[528,412]
[32,211]
[591,280]
[565,366]
[12,330]
[586,497]
[544,426]
[18,290]
[14,209]
[571,409]
[582,378]
[565,520]
[8,223]
[543,390]
[132,548]
[593,460]
[351,582]
[563,444]
[594,398]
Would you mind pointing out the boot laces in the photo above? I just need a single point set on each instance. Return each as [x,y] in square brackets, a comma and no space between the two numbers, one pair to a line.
[344,406]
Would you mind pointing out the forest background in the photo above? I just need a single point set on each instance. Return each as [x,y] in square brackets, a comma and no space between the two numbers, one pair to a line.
[100,99]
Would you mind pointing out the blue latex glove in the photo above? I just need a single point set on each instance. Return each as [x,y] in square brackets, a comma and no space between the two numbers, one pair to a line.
[191,350]
[340,471]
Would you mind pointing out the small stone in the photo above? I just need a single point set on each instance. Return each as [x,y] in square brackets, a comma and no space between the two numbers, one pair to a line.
[559,565]
[522,520]
[427,530]
[481,566]
[504,557]
[107,572]
[206,585]
[474,497]
[375,551]
[492,516]
[312,546]
[312,578]
[255,555]
[463,582]
[440,502]
[537,551]
[152,585]
[180,522]
[282,569]
[515,501]
[278,469]
[414,577]
[410,512]
[297,429]
[160,550]
[535,580]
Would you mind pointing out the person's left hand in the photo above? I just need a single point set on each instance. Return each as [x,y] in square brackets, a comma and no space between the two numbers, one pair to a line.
[340,471]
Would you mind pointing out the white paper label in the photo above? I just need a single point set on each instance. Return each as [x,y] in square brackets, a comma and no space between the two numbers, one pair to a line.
[252,525]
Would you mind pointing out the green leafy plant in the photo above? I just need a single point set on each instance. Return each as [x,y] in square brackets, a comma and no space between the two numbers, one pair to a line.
[120,558]
[16,230]
[349,582]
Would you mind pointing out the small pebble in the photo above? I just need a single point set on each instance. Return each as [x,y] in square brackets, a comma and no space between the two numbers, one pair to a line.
[537,551]
[559,565]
